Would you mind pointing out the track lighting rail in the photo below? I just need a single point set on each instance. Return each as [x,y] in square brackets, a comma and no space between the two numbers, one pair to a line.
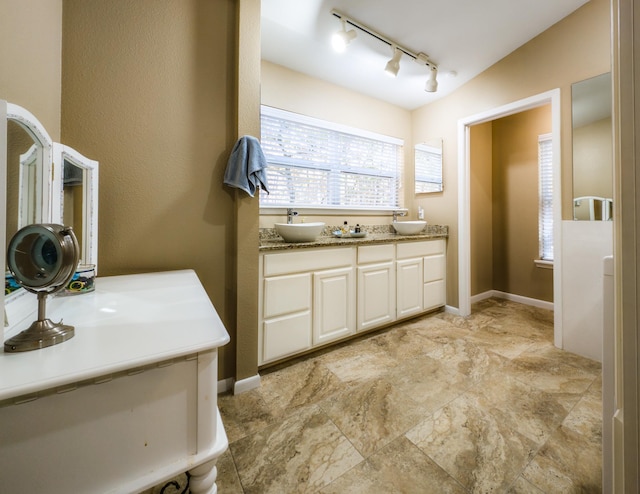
[419,58]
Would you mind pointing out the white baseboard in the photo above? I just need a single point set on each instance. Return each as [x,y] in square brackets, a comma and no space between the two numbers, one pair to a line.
[483,296]
[225,385]
[246,384]
[543,304]
[449,309]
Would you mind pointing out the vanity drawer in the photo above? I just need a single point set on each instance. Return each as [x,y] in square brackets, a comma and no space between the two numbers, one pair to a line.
[375,253]
[407,250]
[435,268]
[293,261]
[287,294]
[286,335]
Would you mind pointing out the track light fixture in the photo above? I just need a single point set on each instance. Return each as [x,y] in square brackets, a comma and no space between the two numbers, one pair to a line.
[432,84]
[343,37]
[393,65]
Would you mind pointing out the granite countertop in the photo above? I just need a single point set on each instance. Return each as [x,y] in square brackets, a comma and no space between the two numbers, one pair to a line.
[376,234]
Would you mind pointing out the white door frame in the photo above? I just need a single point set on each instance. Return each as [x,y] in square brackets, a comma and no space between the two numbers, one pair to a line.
[464,195]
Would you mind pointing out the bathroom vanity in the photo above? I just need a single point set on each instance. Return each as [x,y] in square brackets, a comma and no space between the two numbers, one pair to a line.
[316,293]
[128,402]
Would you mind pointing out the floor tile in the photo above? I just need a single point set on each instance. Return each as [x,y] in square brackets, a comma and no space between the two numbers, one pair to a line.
[569,462]
[372,414]
[300,454]
[428,381]
[244,414]
[524,408]
[291,388]
[227,481]
[398,468]
[472,446]
[550,374]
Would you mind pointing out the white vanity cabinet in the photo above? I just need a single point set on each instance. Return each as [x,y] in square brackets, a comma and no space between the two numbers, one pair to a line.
[306,299]
[376,286]
[420,276]
[309,297]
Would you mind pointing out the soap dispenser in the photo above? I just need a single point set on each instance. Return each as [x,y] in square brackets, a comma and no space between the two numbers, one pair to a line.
[345,228]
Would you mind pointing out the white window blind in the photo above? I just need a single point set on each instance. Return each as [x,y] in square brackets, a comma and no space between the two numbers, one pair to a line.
[428,165]
[545,213]
[314,163]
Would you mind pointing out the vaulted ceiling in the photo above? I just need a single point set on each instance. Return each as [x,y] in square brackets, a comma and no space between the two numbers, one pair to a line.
[462,37]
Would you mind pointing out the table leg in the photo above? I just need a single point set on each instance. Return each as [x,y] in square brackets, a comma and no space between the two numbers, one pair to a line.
[203,478]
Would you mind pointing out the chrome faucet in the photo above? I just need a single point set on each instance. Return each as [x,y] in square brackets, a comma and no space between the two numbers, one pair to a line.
[398,213]
[290,214]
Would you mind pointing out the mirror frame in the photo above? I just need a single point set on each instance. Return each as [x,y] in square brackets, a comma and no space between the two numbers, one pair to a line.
[21,303]
[89,240]
[38,133]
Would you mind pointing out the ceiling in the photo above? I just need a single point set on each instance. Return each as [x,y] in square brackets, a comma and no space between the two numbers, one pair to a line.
[462,37]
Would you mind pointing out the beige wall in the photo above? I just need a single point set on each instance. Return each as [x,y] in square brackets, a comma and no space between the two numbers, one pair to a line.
[149,91]
[30,57]
[576,48]
[515,205]
[289,90]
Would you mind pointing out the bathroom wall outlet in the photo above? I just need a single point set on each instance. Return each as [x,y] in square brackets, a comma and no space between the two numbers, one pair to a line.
[420,213]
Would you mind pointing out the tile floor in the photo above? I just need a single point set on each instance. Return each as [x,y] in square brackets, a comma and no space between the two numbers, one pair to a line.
[440,404]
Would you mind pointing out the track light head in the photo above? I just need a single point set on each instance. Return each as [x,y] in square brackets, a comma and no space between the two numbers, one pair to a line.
[342,38]
[393,65]
[432,83]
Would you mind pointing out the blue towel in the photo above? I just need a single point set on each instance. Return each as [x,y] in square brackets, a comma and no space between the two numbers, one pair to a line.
[246,168]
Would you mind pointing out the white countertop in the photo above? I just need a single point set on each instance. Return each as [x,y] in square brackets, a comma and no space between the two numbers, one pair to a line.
[127,322]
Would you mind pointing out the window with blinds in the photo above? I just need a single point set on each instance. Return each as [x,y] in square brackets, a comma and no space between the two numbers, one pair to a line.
[315,163]
[545,212]
[428,165]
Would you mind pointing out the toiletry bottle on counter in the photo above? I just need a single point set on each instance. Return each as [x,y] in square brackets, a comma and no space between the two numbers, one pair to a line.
[357,228]
[345,228]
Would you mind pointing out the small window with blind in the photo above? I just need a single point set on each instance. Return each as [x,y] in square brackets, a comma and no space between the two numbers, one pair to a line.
[428,168]
[545,212]
[318,164]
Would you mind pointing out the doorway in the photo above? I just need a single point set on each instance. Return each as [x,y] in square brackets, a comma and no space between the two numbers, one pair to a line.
[464,198]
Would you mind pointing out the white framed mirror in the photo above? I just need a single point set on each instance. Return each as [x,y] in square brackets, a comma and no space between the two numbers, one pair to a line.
[36,192]
[75,184]
[592,149]
[428,166]
[28,192]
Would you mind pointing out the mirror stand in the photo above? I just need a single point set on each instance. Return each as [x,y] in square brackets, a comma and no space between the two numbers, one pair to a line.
[42,333]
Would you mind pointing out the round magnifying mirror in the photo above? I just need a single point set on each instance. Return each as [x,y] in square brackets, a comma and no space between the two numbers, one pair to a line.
[42,259]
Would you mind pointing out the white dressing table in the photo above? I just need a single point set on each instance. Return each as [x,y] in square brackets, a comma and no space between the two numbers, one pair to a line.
[125,404]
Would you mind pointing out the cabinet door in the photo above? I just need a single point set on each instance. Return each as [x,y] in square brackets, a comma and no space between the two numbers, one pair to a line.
[409,287]
[333,304]
[376,295]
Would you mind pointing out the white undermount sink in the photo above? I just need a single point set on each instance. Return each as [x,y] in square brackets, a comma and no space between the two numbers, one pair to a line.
[299,232]
[409,227]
